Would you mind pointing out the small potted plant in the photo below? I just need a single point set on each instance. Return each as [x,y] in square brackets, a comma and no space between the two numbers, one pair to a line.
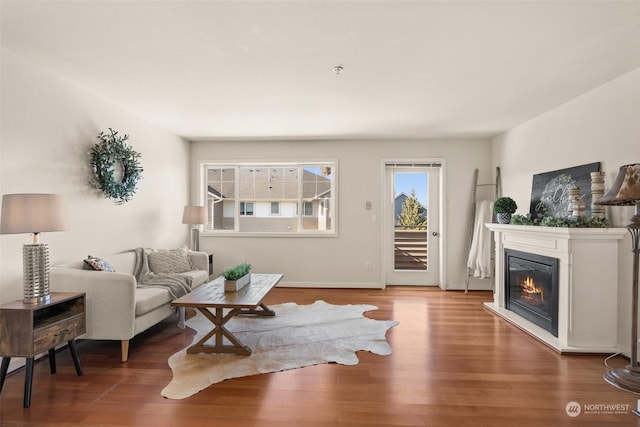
[237,276]
[504,207]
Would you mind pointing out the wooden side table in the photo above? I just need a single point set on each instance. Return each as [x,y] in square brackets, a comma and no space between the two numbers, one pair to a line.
[27,330]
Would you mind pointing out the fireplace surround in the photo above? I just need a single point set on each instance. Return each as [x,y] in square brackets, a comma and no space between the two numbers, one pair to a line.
[587,272]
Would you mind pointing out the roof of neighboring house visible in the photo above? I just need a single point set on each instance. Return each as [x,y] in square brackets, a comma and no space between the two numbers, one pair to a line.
[402,195]
[277,184]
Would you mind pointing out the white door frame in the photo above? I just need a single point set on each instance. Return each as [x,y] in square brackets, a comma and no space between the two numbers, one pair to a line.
[387,247]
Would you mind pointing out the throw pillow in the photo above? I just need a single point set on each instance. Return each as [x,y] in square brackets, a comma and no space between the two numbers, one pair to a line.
[169,261]
[97,264]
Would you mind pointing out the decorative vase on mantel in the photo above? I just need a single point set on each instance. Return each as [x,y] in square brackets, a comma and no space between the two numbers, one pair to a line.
[503,218]
[597,191]
[503,208]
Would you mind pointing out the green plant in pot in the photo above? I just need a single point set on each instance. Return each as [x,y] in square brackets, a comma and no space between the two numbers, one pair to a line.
[504,207]
[237,271]
[236,277]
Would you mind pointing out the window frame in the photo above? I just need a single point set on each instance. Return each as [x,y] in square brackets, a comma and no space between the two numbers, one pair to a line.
[204,166]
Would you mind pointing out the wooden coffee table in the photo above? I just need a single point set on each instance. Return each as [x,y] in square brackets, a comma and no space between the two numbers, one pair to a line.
[212,301]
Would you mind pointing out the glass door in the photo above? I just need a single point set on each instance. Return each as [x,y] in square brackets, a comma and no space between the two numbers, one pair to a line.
[412,228]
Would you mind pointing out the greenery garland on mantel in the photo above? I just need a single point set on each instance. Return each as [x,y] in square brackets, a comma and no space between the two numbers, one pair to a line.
[105,156]
[550,221]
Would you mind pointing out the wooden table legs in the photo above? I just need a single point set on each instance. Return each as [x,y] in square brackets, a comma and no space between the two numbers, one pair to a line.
[4,367]
[219,319]
[29,361]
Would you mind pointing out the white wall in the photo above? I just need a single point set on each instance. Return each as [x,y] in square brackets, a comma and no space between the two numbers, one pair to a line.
[340,262]
[600,126]
[48,128]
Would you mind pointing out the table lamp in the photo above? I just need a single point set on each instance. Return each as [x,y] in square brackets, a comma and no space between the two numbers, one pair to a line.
[33,213]
[195,215]
[625,191]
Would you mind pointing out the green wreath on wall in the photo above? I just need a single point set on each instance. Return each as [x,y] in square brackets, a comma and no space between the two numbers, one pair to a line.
[111,152]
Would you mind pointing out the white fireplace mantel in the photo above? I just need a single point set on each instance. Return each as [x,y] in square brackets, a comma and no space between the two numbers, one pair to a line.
[587,280]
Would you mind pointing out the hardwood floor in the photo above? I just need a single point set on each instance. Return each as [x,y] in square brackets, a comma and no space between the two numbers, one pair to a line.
[454,363]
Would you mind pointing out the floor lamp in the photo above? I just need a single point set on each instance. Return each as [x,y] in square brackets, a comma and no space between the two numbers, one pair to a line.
[33,213]
[195,215]
[625,191]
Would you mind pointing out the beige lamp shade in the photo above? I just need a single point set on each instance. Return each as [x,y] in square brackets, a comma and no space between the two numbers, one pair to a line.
[625,189]
[32,213]
[194,215]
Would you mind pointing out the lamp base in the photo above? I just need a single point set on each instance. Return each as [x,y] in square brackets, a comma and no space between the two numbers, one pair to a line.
[35,273]
[195,238]
[626,379]
[37,300]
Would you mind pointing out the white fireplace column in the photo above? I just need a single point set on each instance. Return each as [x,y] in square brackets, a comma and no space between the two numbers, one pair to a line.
[587,280]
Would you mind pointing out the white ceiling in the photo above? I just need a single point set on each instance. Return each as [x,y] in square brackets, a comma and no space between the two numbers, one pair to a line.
[264,69]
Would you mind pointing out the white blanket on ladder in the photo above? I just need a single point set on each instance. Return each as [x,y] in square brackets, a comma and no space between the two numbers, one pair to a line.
[479,260]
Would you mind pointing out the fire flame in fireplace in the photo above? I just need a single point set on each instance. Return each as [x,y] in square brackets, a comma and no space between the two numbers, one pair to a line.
[530,290]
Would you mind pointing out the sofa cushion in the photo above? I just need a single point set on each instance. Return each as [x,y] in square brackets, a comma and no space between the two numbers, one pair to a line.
[148,299]
[169,261]
[198,277]
[123,262]
[97,264]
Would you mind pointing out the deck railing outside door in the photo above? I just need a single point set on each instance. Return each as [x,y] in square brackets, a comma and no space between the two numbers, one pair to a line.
[410,248]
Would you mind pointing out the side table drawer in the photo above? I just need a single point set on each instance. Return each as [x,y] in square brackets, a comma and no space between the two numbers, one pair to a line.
[63,331]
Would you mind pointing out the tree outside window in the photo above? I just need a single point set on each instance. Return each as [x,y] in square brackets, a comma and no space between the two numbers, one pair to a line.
[412,216]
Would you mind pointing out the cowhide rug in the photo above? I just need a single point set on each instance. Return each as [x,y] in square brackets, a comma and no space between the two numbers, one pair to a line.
[298,336]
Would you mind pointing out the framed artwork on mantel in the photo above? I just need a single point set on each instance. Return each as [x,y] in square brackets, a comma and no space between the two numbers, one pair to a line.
[550,190]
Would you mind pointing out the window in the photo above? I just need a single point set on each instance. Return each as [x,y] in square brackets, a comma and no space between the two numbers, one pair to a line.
[307,209]
[246,208]
[266,198]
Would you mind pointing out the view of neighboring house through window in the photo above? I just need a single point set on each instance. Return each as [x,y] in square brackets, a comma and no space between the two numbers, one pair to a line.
[285,198]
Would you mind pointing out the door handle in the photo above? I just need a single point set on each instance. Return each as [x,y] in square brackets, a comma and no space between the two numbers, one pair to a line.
[435,234]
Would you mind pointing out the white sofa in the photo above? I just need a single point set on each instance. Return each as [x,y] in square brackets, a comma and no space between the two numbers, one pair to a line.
[116,308]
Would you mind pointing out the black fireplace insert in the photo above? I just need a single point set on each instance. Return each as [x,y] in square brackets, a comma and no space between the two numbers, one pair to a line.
[531,288]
